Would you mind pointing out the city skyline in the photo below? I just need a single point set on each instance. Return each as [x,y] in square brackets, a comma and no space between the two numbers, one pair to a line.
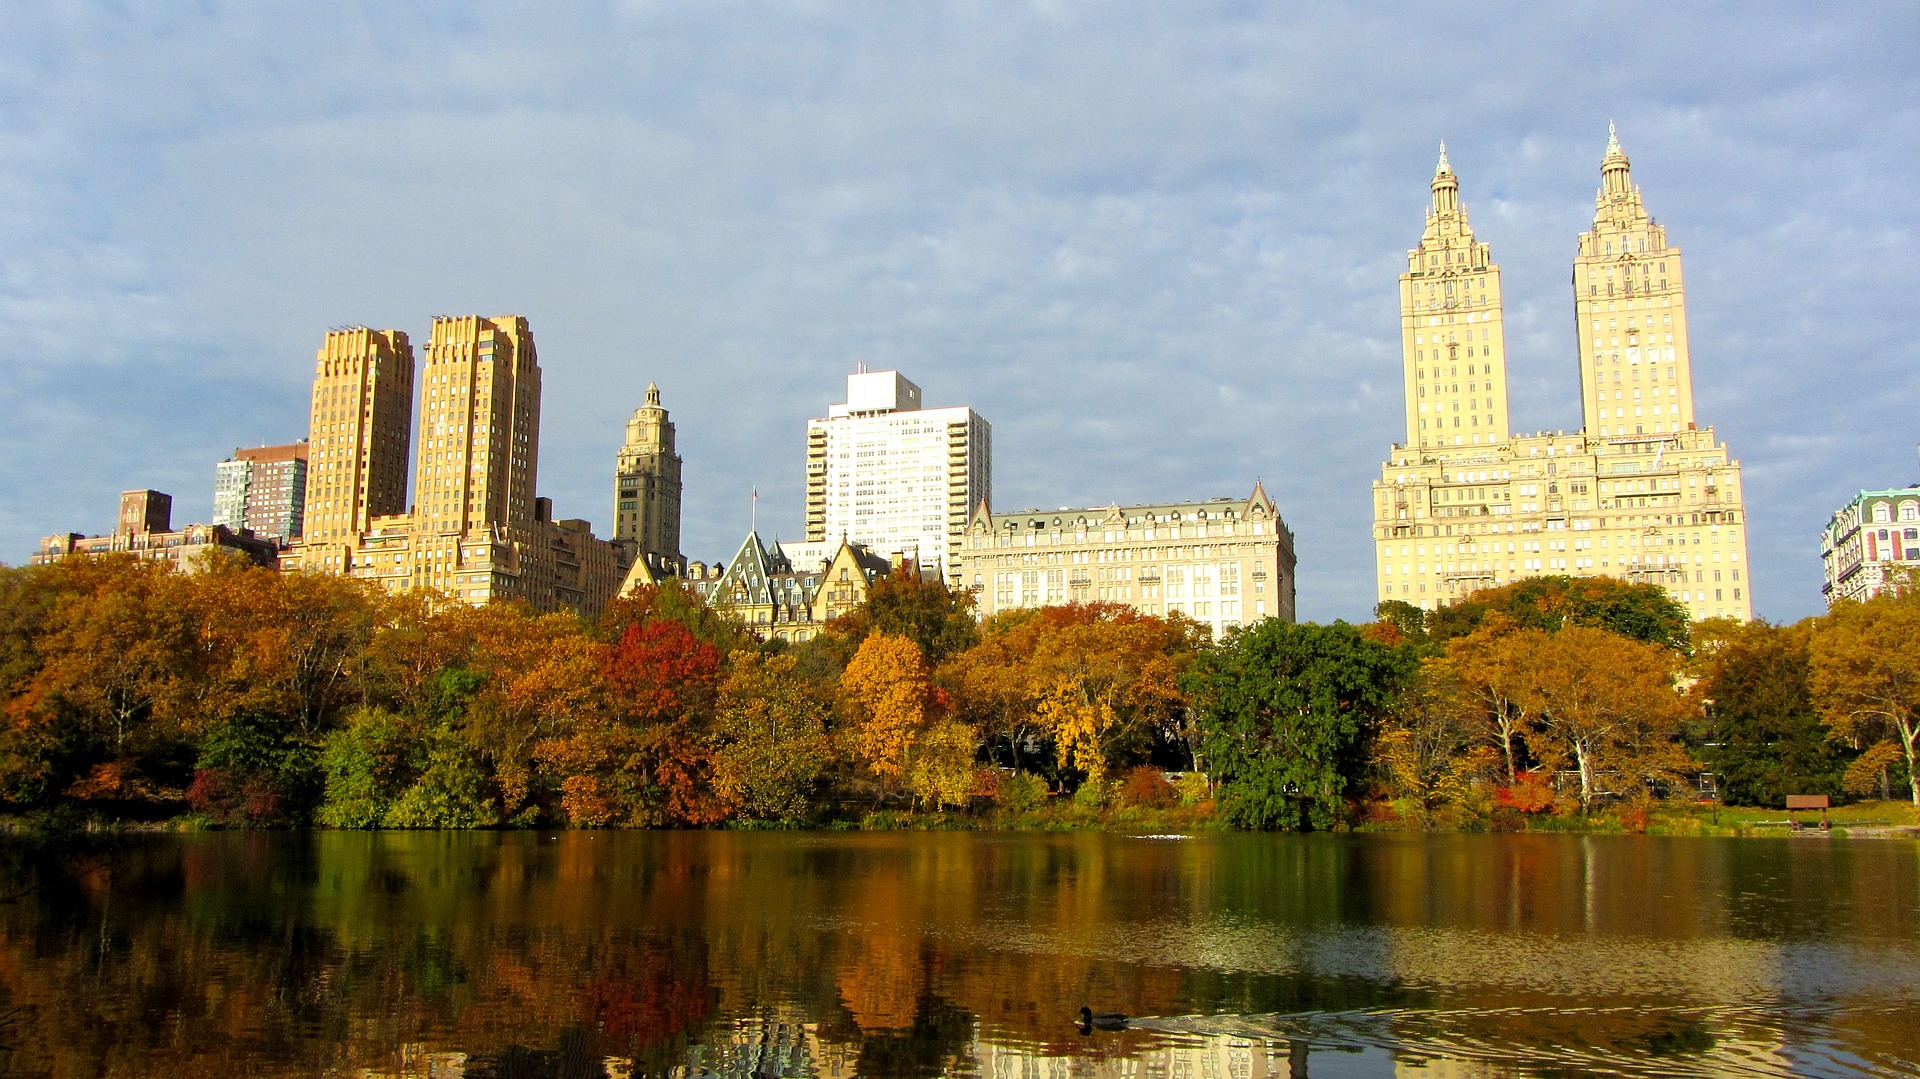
[1157,251]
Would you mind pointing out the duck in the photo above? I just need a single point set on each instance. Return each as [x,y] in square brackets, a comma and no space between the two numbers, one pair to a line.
[1091,1021]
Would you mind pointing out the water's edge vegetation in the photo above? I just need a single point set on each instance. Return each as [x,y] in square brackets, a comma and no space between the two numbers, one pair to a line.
[135,697]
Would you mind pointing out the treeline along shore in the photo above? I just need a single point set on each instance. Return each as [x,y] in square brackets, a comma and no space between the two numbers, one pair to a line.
[241,697]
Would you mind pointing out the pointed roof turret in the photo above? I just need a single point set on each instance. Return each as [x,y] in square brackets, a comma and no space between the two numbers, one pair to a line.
[1615,169]
[653,394]
[1446,187]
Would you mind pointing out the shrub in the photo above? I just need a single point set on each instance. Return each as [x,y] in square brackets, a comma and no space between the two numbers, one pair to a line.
[1146,788]
[1021,792]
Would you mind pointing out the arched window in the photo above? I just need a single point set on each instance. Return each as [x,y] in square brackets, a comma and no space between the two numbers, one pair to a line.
[1880,514]
[1910,511]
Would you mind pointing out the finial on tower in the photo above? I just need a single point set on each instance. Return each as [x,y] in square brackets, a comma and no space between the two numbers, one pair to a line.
[1443,168]
[653,393]
[1613,139]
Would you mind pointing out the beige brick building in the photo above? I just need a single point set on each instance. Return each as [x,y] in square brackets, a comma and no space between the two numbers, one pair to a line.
[1224,563]
[1640,493]
[145,529]
[476,530]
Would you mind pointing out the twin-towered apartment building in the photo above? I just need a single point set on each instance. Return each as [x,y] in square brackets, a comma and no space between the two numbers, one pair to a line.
[1640,492]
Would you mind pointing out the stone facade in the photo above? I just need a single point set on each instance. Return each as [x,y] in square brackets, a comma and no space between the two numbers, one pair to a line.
[1640,493]
[774,599]
[1224,563]
[646,490]
[145,529]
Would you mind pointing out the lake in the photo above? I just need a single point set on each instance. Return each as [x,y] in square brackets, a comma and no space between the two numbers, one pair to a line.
[878,954]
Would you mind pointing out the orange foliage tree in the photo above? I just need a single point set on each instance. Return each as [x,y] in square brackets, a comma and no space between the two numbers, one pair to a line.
[1866,672]
[1608,707]
[643,758]
[1098,681]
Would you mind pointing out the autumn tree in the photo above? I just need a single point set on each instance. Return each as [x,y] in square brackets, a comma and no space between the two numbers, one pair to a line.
[1098,682]
[1866,672]
[1430,749]
[1491,672]
[1607,707]
[769,739]
[99,717]
[1286,712]
[642,757]
[889,703]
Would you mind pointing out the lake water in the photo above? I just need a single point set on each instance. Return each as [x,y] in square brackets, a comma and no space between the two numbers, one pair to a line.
[841,954]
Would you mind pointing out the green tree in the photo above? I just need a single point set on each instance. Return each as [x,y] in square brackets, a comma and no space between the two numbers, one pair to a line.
[770,748]
[1286,713]
[1643,612]
[925,612]
[1763,735]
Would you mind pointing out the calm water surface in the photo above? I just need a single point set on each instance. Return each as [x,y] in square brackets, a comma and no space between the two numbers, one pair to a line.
[767,954]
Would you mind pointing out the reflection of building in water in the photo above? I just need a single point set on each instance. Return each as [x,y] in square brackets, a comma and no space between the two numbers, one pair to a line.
[1196,1057]
[769,1045]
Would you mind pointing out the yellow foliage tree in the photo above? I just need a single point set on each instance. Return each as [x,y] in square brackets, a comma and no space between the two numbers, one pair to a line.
[1866,671]
[887,695]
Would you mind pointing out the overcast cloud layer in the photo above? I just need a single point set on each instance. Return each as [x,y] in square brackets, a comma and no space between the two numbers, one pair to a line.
[1157,246]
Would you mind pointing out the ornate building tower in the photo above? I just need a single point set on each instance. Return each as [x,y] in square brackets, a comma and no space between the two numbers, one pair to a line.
[1639,493]
[1629,303]
[357,445]
[647,490]
[1452,336]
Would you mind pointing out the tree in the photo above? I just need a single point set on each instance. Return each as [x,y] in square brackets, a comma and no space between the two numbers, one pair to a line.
[925,612]
[770,747]
[1643,612]
[1286,712]
[1764,737]
[1866,672]
[1099,682]
[889,701]
[1491,668]
[1607,707]
[99,717]
[641,755]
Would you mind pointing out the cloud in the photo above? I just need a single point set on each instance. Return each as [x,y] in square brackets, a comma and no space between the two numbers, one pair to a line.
[1157,246]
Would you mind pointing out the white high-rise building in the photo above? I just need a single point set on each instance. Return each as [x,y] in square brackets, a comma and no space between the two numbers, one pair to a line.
[900,479]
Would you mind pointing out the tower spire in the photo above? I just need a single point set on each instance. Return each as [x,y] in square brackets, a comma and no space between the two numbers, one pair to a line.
[1446,187]
[1615,169]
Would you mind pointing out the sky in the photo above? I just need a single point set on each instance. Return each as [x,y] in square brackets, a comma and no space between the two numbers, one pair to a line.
[1157,246]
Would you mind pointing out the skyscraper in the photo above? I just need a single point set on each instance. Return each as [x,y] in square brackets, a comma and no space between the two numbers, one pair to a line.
[1639,493]
[357,446]
[479,424]
[1451,272]
[895,477]
[646,490]
[264,489]
[1624,261]
[477,531]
